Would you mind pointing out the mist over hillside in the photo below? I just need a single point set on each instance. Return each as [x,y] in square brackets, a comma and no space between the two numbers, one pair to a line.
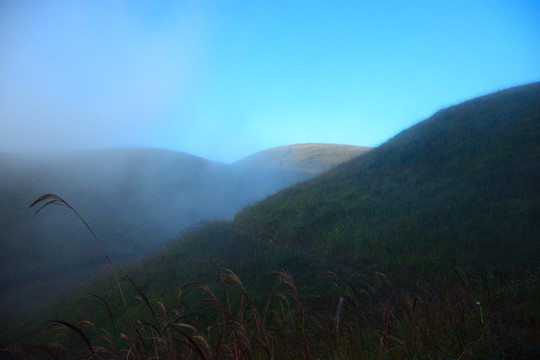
[135,200]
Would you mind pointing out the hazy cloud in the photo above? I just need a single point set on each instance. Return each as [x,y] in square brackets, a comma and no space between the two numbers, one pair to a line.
[225,79]
[93,74]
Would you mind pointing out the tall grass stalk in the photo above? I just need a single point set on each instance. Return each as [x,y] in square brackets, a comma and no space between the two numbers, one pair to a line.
[376,321]
[53,199]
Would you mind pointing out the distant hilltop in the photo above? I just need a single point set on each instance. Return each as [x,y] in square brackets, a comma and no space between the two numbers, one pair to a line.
[312,157]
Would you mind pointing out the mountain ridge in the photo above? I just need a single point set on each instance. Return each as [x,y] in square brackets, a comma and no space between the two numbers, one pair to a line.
[312,157]
[499,132]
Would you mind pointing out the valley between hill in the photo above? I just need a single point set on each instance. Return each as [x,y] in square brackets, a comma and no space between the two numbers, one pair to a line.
[136,200]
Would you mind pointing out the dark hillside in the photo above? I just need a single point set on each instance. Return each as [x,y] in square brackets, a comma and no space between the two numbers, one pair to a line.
[459,188]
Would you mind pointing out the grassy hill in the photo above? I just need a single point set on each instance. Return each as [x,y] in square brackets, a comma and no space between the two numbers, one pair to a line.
[308,157]
[460,188]
[136,200]
[431,238]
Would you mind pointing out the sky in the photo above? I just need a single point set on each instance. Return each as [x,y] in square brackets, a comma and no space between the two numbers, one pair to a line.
[224,79]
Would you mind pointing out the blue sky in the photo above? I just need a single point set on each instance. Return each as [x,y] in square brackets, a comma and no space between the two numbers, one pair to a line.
[224,79]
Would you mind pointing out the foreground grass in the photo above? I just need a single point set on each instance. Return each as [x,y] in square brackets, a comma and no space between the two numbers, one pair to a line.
[365,317]
[435,314]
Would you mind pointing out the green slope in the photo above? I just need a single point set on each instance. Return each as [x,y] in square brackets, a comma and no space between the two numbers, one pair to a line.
[459,188]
